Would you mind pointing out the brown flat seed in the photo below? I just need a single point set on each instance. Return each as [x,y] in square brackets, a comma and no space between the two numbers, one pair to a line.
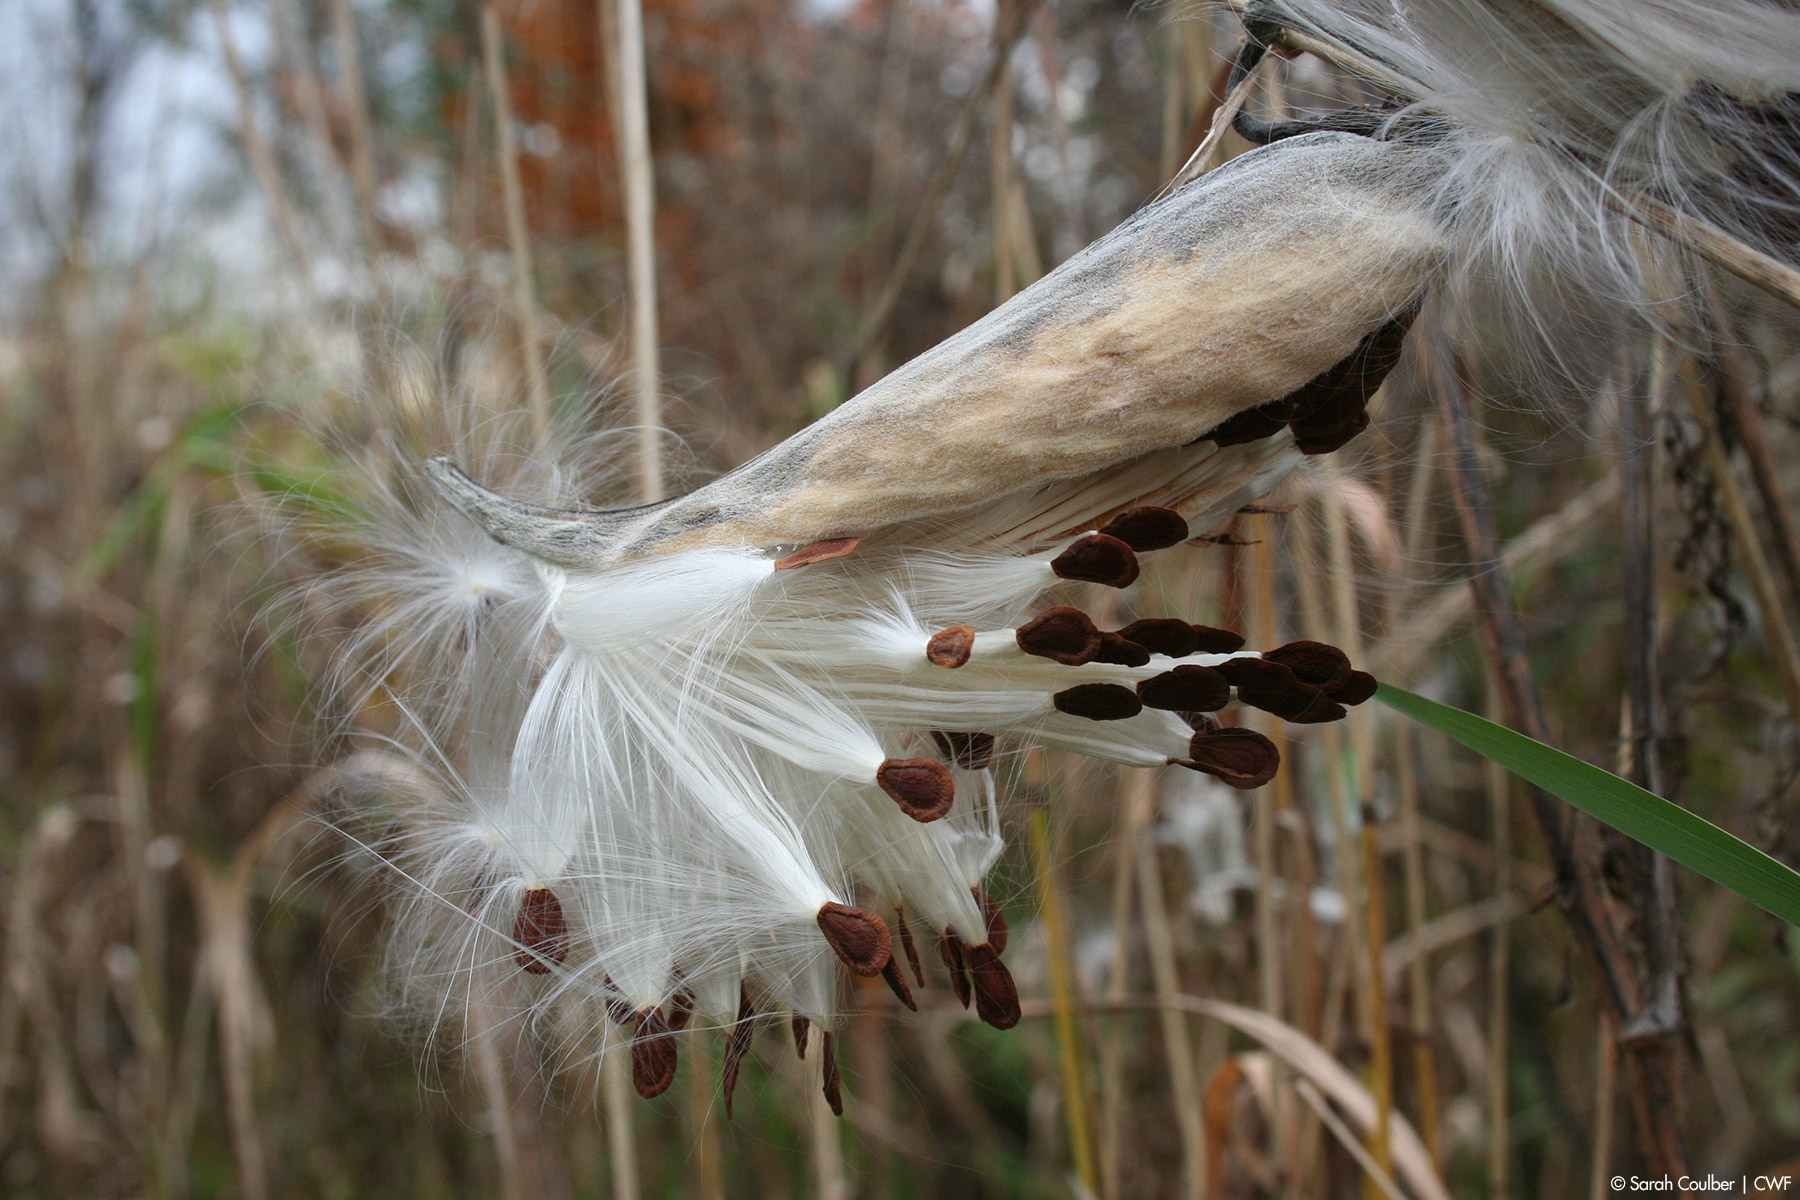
[896,981]
[1210,639]
[1162,635]
[996,996]
[970,751]
[818,552]
[681,1009]
[1062,634]
[802,1028]
[906,945]
[993,917]
[1187,688]
[736,1045]
[1261,674]
[1240,757]
[541,931]
[1097,558]
[1098,701]
[858,936]
[1252,425]
[1313,662]
[832,1084]
[922,787]
[952,949]
[1225,538]
[653,1055]
[1353,691]
[1317,711]
[1121,651]
[950,647]
[1148,528]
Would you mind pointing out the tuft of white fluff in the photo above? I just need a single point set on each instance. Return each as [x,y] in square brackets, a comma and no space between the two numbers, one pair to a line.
[1553,121]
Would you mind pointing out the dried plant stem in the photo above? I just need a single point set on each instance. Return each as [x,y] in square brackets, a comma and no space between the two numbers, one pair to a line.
[1008,30]
[1741,259]
[638,172]
[1268,926]
[512,194]
[708,1153]
[1606,1068]
[1750,552]
[1379,1176]
[1419,1003]
[1064,1003]
[621,1140]
[827,1151]
[258,151]
[1499,980]
[1178,1047]
[356,111]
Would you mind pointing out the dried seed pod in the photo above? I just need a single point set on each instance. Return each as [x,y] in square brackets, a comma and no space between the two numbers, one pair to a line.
[1098,701]
[1240,757]
[1121,651]
[950,647]
[832,1084]
[896,981]
[1148,528]
[970,751]
[1313,663]
[1355,690]
[1097,558]
[922,787]
[951,948]
[1187,688]
[1162,635]
[1062,634]
[653,1054]
[1210,639]
[996,996]
[908,948]
[859,937]
[540,931]
[736,1045]
[818,552]
[993,917]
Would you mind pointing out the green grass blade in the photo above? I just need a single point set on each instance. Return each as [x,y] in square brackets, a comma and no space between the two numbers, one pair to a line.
[1690,840]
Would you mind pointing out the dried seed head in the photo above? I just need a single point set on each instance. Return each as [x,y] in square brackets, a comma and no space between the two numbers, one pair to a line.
[1062,634]
[1355,690]
[1240,757]
[1121,651]
[653,1054]
[951,948]
[736,1045]
[859,937]
[970,751]
[1163,635]
[1313,663]
[922,787]
[1097,558]
[1148,528]
[950,647]
[896,981]
[1187,688]
[832,1084]
[1098,701]
[541,931]
[818,552]
[993,917]
[996,996]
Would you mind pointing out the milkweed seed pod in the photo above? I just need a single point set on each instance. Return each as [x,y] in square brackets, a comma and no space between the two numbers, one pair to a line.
[697,761]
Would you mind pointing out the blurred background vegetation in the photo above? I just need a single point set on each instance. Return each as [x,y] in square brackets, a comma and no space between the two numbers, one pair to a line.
[225,225]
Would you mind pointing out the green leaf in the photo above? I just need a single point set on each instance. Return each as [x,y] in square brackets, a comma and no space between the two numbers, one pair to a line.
[1667,828]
